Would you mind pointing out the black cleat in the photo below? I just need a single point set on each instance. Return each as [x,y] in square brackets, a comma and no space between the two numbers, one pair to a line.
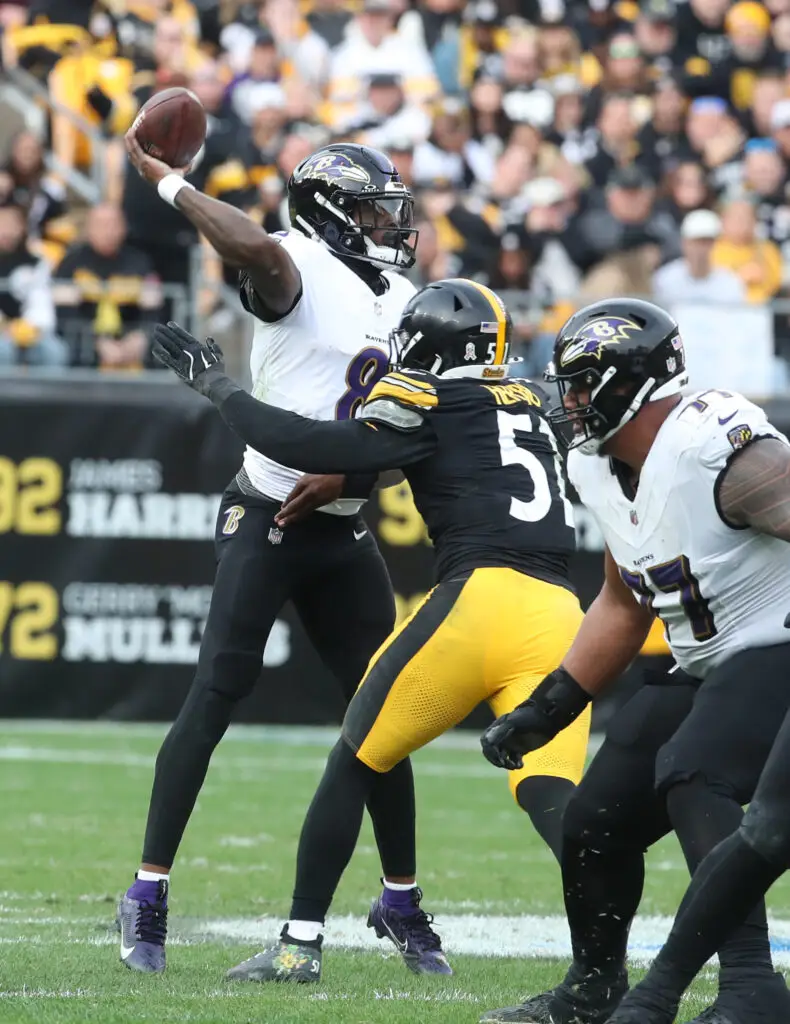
[579,999]
[765,1000]
[288,960]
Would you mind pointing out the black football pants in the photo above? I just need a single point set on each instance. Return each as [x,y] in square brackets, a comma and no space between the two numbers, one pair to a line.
[332,570]
[732,878]
[676,757]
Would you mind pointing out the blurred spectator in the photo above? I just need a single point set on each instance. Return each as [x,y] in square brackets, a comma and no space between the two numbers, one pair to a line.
[259,84]
[769,89]
[656,35]
[716,139]
[578,141]
[328,19]
[627,223]
[616,144]
[435,26]
[490,125]
[385,115]
[107,295]
[687,190]
[701,33]
[372,46]
[732,75]
[25,183]
[306,54]
[450,153]
[519,71]
[624,71]
[465,235]
[757,262]
[482,40]
[559,52]
[662,139]
[27,313]
[765,183]
[692,277]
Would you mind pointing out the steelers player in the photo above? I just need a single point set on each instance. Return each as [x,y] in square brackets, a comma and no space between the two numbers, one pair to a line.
[487,478]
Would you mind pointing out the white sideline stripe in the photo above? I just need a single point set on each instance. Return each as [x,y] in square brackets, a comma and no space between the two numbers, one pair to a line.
[285,735]
[477,935]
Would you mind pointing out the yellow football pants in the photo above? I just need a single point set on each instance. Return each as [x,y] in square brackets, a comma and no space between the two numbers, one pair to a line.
[489,636]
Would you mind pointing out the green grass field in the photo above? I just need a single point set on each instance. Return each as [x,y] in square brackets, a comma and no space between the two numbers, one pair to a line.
[74,799]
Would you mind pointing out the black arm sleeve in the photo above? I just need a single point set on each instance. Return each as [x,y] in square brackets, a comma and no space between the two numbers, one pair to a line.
[314,446]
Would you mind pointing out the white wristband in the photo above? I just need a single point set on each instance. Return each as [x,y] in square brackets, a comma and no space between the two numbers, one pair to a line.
[169,187]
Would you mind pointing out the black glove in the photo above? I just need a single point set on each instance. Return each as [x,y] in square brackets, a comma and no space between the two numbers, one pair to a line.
[556,702]
[199,364]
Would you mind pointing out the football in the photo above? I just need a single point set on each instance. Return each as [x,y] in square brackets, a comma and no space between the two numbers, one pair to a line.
[171,126]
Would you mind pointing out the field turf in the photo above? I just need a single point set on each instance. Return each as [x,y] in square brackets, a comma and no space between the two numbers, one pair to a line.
[73,804]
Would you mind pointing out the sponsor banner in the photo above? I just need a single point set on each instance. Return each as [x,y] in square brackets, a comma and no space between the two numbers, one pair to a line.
[108,499]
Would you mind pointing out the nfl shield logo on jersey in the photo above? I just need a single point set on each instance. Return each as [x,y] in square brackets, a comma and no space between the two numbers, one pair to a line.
[634,517]
[275,535]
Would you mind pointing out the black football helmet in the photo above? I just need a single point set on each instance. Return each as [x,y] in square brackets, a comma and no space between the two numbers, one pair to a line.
[352,198]
[617,354]
[453,328]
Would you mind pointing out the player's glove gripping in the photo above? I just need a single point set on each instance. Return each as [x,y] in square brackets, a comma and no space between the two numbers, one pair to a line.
[556,702]
[199,364]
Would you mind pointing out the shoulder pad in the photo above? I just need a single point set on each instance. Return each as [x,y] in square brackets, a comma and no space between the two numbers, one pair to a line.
[400,400]
[408,388]
[727,423]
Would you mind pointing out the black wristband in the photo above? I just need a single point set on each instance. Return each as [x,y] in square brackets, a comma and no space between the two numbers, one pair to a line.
[359,485]
[560,698]
[218,386]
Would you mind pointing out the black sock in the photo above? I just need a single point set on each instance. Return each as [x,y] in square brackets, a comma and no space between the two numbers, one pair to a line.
[330,832]
[726,886]
[702,818]
[544,798]
[392,811]
[602,893]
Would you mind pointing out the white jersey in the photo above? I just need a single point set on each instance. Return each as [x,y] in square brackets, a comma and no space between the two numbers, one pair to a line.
[718,589]
[322,359]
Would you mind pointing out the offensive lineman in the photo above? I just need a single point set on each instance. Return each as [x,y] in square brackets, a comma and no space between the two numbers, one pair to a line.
[678,487]
[325,297]
[486,476]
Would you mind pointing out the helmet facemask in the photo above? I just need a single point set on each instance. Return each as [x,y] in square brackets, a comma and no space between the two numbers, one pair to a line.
[613,399]
[375,228]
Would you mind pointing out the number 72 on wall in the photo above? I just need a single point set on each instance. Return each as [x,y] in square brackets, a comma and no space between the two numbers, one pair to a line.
[28,614]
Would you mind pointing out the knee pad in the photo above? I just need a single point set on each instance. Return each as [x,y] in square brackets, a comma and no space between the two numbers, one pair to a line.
[768,833]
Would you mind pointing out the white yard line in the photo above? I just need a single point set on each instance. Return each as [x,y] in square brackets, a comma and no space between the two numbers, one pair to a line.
[485,935]
[477,935]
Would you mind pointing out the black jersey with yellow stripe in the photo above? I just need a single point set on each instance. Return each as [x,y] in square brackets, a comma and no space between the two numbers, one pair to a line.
[479,454]
[491,490]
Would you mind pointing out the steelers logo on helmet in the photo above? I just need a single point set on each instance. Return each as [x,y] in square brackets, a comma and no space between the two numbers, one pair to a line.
[594,337]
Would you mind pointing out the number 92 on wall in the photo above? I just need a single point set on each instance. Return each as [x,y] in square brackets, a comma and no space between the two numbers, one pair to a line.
[28,492]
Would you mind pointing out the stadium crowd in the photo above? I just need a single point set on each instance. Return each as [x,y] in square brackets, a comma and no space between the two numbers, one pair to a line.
[560,149]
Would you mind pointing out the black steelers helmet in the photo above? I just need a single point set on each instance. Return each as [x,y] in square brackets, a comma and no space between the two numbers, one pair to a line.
[352,198]
[453,328]
[618,355]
